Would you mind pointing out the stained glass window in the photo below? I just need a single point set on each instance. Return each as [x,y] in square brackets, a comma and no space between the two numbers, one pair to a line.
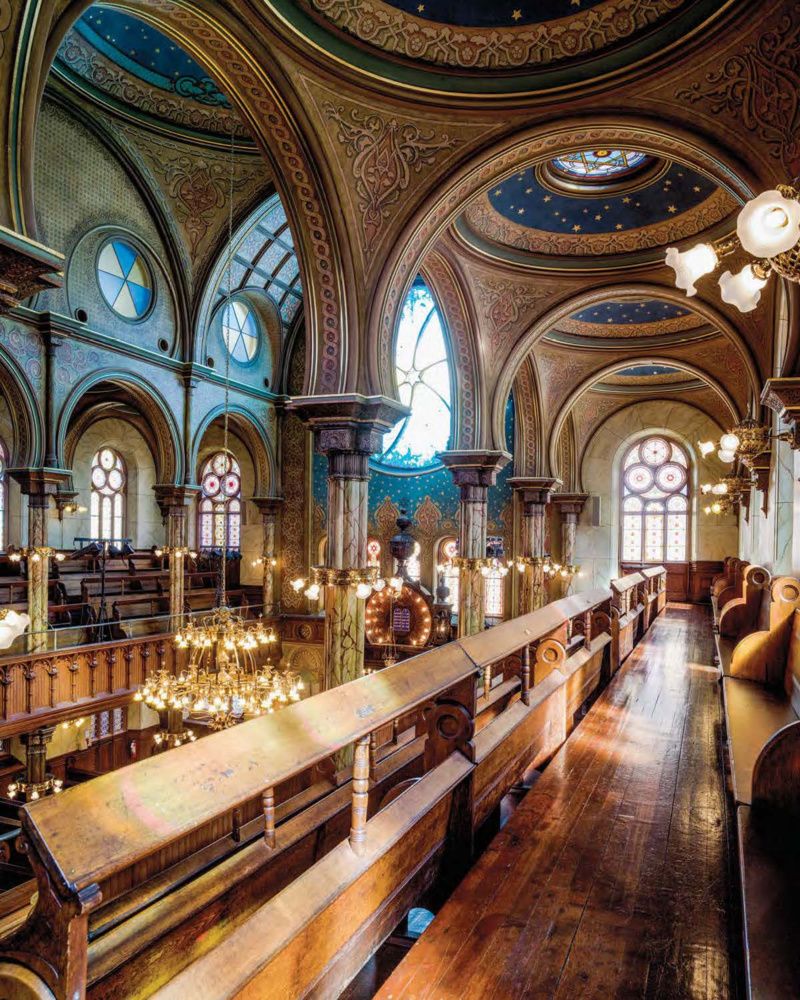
[655,502]
[373,552]
[3,495]
[448,551]
[124,279]
[107,503]
[239,331]
[599,164]
[220,506]
[494,588]
[422,370]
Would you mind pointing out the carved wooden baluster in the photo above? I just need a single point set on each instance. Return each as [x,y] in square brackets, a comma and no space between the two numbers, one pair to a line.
[487,681]
[92,668]
[127,656]
[587,629]
[269,818]
[396,731]
[525,676]
[29,674]
[358,821]
[373,755]
[6,680]
[52,673]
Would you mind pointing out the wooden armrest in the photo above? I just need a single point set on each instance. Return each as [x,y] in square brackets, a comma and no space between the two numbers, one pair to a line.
[753,714]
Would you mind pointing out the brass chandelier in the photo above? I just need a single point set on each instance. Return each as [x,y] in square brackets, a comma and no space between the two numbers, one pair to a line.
[768,229]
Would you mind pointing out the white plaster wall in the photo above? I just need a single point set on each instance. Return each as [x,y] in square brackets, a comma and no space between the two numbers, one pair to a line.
[252,533]
[597,548]
[142,516]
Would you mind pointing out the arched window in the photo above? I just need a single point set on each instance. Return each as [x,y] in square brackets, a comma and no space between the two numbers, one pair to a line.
[448,551]
[494,592]
[3,495]
[107,510]
[220,507]
[422,370]
[655,502]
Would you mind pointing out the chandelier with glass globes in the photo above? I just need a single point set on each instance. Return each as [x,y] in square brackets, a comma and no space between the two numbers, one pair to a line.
[224,680]
[768,229]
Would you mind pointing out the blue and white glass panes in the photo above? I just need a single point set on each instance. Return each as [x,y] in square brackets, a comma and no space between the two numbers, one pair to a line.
[655,502]
[125,280]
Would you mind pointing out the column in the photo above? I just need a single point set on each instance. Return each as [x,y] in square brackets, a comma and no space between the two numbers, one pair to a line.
[570,506]
[173,502]
[473,473]
[534,493]
[347,430]
[51,344]
[39,485]
[269,508]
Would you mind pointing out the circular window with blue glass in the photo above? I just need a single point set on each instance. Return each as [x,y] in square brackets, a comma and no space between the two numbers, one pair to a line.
[125,279]
[240,331]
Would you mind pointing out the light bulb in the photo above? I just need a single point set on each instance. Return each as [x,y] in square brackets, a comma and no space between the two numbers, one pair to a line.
[363,590]
[396,583]
[769,224]
[312,592]
[706,488]
[726,456]
[691,265]
[719,489]
[729,442]
[379,584]
[706,448]
[742,290]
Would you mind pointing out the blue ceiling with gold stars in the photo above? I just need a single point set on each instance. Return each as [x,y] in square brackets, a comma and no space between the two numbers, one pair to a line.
[645,370]
[527,201]
[480,14]
[626,313]
[147,54]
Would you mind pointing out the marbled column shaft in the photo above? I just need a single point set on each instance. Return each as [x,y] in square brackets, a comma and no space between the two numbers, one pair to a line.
[38,570]
[176,541]
[473,515]
[532,593]
[268,554]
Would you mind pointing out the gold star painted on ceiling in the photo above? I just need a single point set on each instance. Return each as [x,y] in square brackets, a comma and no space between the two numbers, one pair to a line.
[618,225]
[528,190]
[576,229]
[520,211]
[626,200]
[548,197]
[421,8]
[672,209]
[597,218]
[498,192]
[696,189]
[517,14]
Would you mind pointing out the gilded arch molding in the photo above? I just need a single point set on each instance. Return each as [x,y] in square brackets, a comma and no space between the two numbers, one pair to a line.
[529,445]
[597,376]
[223,43]
[545,323]
[525,149]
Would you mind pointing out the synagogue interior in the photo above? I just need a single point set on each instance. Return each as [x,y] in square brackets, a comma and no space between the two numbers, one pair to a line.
[399,505]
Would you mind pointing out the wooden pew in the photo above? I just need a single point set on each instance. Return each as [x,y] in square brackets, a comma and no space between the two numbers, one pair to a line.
[744,613]
[762,706]
[655,594]
[627,613]
[215,882]
[728,586]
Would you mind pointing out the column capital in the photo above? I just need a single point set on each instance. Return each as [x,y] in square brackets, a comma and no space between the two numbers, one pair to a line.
[348,423]
[268,506]
[26,267]
[783,396]
[169,496]
[42,482]
[570,503]
[475,468]
[535,490]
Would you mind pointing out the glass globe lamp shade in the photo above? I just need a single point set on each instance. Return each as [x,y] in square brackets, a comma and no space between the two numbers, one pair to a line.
[716,508]
[706,488]
[691,265]
[769,224]
[363,590]
[706,448]
[729,442]
[12,625]
[719,489]
[726,456]
[742,290]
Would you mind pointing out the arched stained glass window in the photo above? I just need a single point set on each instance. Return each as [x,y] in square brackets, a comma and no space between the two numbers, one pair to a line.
[107,504]
[3,496]
[240,331]
[494,592]
[220,506]
[373,552]
[655,502]
[422,370]
[448,551]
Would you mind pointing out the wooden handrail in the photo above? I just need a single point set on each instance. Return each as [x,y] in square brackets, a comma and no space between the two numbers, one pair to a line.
[652,571]
[91,832]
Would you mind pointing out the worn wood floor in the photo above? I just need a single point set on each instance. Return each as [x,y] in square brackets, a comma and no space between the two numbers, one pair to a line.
[611,878]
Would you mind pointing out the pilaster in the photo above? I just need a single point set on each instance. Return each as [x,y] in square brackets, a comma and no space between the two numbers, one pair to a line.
[173,502]
[570,507]
[269,508]
[534,493]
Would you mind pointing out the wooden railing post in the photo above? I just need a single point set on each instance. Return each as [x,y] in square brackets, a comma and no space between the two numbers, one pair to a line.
[587,629]
[525,676]
[269,818]
[487,681]
[358,821]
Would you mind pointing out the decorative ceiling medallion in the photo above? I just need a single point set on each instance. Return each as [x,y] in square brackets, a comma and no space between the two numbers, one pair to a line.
[642,171]
[476,35]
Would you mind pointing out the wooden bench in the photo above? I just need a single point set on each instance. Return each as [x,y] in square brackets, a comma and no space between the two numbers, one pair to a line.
[762,707]
[745,613]
[727,586]
[227,869]
[654,593]
[627,613]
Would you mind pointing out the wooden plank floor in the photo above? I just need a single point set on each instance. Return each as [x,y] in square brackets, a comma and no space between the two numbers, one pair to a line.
[611,878]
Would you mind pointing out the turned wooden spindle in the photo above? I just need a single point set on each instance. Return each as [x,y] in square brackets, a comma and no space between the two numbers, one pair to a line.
[373,755]
[269,817]
[358,821]
[587,629]
[396,731]
[487,681]
[525,676]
